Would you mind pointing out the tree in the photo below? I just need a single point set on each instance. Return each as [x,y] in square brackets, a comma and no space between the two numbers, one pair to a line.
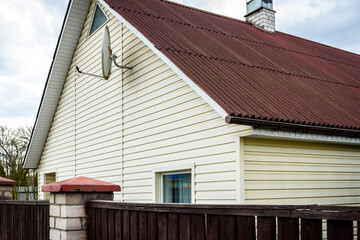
[13,145]
[2,171]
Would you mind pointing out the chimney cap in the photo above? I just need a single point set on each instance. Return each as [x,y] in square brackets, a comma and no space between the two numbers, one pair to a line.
[253,5]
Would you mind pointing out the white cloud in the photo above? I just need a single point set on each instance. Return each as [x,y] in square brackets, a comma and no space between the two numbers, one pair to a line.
[29,30]
[17,122]
[231,8]
[296,12]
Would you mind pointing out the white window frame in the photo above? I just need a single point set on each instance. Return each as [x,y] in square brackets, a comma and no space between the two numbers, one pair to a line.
[44,174]
[158,174]
[92,20]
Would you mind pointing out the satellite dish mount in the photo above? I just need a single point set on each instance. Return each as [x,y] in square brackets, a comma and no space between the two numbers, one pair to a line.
[106,58]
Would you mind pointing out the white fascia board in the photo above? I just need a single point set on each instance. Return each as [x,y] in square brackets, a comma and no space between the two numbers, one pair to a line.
[180,73]
[298,136]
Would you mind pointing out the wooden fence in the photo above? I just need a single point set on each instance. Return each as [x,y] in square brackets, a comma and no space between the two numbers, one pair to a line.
[114,220]
[24,220]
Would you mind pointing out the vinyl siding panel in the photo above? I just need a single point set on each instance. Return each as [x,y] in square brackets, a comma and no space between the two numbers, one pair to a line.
[162,123]
[286,172]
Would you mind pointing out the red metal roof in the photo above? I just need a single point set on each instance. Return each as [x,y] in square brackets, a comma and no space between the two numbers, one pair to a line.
[80,184]
[251,73]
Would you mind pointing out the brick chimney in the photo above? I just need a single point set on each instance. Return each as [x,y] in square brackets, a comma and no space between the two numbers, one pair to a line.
[260,13]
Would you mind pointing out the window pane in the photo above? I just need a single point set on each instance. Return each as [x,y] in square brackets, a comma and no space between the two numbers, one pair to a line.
[177,188]
[99,19]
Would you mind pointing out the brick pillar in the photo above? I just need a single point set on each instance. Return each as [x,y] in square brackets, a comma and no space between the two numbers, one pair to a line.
[6,188]
[68,199]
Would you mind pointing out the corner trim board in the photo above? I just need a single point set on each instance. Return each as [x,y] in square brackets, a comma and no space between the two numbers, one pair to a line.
[240,171]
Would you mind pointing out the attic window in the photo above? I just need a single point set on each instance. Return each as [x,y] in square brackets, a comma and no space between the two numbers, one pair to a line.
[99,19]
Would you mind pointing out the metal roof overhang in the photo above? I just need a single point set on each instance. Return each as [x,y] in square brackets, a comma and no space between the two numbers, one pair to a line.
[274,125]
[74,20]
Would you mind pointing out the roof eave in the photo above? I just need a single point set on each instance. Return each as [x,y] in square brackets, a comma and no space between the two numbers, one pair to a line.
[303,128]
[76,15]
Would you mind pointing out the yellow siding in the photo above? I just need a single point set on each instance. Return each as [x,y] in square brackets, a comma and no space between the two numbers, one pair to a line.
[285,172]
[164,122]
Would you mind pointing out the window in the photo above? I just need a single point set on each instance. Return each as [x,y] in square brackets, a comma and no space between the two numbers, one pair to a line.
[99,19]
[49,178]
[176,187]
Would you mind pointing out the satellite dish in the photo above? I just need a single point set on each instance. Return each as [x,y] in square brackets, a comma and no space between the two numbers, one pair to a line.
[106,54]
[106,58]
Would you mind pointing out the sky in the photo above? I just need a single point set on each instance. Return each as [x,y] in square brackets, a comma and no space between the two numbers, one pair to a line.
[29,31]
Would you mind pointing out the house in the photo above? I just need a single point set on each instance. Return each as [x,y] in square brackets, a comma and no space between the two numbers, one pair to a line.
[214,109]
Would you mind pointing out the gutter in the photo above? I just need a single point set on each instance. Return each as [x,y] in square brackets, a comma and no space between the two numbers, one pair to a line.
[275,125]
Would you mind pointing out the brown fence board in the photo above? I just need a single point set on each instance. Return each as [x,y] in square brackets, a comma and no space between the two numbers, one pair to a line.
[47,222]
[104,223]
[266,228]
[227,226]
[3,222]
[98,232]
[39,225]
[143,224]
[311,229]
[173,227]
[288,228]
[185,225]
[340,230]
[134,230]
[110,224]
[118,224]
[246,228]
[11,222]
[91,223]
[30,227]
[162,226]
[213,228]
[126,224]
[152,226]
[18,210]
[197,227]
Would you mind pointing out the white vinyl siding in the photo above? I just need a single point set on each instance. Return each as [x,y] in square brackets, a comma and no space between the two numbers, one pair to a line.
[164,122]
[287,172]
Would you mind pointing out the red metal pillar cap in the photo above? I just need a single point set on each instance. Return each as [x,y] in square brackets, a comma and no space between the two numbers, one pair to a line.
[81,184]
[7,182]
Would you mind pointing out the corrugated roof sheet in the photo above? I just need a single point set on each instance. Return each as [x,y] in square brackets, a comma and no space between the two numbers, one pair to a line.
[251,73]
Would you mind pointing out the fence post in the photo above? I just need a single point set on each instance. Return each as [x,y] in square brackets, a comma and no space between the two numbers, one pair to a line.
[68,199]
[6,188]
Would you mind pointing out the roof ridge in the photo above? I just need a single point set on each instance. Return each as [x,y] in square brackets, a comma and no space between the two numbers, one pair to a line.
[256,66]
[238,37]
